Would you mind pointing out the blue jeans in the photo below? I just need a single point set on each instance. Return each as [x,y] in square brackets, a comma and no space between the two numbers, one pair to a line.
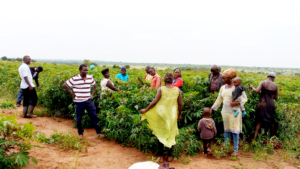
[235,139]
[20,97]
[91,109]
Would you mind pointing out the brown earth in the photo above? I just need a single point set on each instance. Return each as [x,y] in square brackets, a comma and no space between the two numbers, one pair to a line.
[110,155]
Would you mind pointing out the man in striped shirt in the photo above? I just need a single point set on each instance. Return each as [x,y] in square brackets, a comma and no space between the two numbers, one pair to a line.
[83,98]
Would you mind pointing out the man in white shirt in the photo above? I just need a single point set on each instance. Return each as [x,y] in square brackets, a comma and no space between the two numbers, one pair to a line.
[28,88]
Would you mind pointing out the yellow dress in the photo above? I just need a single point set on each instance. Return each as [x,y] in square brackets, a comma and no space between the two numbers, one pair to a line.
[231,124]
[162,118]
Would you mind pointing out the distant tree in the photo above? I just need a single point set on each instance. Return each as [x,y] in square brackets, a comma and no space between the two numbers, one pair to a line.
[116,66]
[19,59]
[127,66]
[104,66]
[87,62]
[94,63]
[4,58]
[189,68]
[32,60]
[259,72]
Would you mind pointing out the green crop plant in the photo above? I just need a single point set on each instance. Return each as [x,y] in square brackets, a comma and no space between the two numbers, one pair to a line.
[15,142]
[121,121]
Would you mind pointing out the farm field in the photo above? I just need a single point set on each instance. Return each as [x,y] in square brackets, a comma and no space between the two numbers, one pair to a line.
[120,121]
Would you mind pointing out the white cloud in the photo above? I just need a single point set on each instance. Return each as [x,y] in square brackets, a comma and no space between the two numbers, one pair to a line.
[144,36]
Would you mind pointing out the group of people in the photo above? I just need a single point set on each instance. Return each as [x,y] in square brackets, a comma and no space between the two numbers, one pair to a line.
[165,110]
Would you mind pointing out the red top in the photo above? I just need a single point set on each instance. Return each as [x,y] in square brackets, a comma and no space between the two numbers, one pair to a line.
[178,83]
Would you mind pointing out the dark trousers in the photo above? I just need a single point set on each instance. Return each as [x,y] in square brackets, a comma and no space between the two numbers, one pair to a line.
[207,144]
[161,150]
[91,109]
[29,95]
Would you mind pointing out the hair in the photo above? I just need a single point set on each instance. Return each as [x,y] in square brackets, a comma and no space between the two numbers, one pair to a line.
[82,66]
[40,68]
[147,67]
[206,113]
[169,78]
[179,71]
[104,71]
[25,57]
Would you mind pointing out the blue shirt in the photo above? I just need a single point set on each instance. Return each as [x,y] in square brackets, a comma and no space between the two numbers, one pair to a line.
[123,77]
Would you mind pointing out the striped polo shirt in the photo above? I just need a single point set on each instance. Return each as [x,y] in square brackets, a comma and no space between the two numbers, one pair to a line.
[81,87]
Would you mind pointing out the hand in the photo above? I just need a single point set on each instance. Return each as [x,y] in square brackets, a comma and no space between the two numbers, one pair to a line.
[143,111]
[211,111]
[30,88]
[91,97]
[73,95]
[251,87]
[40,88]
[179,117]
[232,104]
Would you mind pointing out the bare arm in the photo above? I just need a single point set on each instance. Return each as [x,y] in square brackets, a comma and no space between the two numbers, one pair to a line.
[111,86]
[68,90]
[258,89]
[27,81]
[276,95]
[37,82]
[179,101]
[153,103]
[94,91]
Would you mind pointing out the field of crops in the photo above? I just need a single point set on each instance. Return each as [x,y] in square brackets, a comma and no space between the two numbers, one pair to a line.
[119,114]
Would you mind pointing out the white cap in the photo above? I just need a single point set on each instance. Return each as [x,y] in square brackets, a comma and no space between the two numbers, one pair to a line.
[272,74]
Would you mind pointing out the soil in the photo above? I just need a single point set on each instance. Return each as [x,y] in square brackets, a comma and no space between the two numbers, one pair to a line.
[106,154]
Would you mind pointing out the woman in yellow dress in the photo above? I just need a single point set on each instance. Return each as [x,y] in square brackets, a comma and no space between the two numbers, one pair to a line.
[232,124]
[162,115]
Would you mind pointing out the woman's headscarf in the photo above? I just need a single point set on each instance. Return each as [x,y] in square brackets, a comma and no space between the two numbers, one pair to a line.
[230,73]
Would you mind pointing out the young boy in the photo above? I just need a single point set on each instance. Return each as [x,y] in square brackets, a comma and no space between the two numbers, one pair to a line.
[237,95]
[208,130]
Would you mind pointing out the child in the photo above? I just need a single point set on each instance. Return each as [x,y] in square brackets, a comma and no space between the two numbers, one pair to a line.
[237,95]
[208,130]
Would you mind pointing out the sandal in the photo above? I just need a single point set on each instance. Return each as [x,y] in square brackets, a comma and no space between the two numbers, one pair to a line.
[205,155]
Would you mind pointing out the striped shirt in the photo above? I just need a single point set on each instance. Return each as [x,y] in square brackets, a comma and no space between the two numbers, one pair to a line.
[81,87]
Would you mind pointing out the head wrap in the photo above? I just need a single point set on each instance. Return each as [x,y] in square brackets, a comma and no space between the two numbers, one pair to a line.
[92,67]
[123,68]
[272,74]
[230,73]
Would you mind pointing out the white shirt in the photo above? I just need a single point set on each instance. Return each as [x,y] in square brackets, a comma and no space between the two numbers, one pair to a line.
[103,86]
[24,71]
[81,87]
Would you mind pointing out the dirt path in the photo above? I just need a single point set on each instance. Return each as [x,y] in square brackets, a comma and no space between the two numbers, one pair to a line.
[110,155]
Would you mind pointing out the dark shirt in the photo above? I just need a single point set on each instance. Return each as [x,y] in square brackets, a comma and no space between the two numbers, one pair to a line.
[238,92]
[215,82]
[34,73]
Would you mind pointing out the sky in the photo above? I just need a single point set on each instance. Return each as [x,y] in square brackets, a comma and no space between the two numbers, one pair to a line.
[264,33]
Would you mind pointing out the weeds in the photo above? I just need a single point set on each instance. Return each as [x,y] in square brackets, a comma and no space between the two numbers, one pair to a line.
[7,104]
[185,160]
[66,141]
[153,159]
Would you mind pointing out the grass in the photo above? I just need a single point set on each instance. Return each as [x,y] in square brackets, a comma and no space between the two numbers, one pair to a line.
[65,141]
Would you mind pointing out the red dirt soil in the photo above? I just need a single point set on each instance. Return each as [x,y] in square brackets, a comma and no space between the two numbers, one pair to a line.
[110,155]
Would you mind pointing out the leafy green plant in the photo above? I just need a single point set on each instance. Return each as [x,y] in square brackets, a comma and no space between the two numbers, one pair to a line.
[7,104]
[14,152]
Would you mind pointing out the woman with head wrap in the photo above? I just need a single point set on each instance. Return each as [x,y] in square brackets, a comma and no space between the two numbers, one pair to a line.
[123,75]
[265,112]
[232,124]
[177,82]
[162,115]
[106,84]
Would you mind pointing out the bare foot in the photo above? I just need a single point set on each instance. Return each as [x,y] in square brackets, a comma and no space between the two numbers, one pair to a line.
[170,159]
[81,136]
[161,159]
